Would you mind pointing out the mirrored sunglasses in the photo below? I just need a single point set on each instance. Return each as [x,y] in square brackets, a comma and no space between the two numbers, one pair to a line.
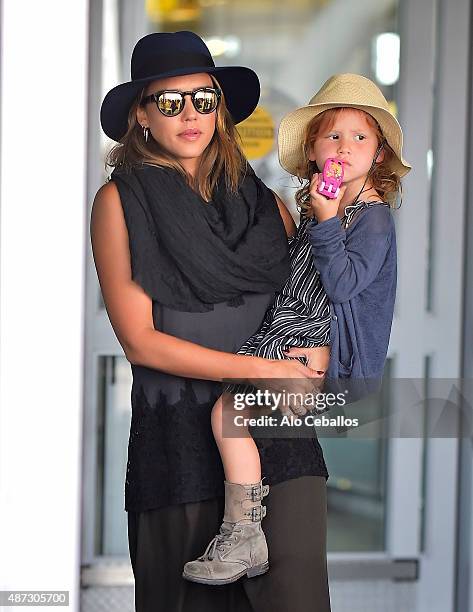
[171,102]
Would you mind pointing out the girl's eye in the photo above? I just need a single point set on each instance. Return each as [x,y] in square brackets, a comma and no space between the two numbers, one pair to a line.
[360,137]
[333,136]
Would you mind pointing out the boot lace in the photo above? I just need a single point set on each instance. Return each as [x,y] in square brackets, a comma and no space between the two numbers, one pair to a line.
[221,542]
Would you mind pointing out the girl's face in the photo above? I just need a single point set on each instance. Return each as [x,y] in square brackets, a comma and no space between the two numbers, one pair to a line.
[187,135]
[352,139]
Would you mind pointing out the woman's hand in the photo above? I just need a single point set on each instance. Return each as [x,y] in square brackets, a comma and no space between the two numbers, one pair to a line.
[282,377]
[317,357]
[322,207]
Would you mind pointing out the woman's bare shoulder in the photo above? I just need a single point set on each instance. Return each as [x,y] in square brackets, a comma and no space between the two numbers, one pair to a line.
[128,306]
[286,216]
[107,209]
[107,196]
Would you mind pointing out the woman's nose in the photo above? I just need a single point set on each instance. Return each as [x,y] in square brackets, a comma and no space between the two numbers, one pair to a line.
[189,111]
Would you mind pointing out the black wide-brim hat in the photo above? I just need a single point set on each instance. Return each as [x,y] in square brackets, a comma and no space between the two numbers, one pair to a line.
[167,54]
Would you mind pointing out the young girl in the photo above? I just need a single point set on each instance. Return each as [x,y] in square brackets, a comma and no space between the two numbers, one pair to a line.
[345,300]
[190,248]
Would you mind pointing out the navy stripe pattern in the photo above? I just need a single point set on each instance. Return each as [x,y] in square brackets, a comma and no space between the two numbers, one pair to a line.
[299,315]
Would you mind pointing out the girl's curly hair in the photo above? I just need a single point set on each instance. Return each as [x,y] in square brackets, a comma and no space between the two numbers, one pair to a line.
[386,182]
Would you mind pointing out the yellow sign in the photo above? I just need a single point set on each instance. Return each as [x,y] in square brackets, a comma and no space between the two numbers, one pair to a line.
[257,133]
[172,10]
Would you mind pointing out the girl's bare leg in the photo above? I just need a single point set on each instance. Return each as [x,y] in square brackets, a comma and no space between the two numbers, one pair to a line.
[240,456]
[240,547]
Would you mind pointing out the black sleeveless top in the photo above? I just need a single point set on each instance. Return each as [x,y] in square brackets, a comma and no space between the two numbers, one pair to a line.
[172,455]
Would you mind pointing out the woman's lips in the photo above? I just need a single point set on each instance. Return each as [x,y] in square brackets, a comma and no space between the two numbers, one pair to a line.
[190,135]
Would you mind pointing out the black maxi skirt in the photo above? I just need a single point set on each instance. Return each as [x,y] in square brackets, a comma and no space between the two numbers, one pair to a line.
[162,540]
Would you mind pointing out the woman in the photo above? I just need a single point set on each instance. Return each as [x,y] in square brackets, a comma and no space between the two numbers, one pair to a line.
[190,248]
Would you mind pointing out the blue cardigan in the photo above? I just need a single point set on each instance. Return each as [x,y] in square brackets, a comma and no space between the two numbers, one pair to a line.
[358,269]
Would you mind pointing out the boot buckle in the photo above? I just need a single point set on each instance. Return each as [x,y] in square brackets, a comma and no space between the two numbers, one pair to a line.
[258,513]
[256,493]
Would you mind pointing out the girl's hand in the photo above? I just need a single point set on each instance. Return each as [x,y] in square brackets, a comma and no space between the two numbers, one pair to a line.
[323,208]
[317,357]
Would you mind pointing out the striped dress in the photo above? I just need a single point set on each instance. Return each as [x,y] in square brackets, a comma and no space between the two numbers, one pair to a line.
[299,316]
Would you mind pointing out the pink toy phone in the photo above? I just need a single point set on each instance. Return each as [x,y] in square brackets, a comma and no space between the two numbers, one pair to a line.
[332,178]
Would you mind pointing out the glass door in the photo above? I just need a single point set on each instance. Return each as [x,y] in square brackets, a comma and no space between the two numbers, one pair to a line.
[383,496]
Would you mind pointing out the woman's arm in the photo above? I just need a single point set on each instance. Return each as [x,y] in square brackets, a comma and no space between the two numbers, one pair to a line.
[286,216]
[130,311]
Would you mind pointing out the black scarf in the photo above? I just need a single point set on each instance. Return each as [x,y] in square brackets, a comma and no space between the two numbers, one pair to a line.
[189,254]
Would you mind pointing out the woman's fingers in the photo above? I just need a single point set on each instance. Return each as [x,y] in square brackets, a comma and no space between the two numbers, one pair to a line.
[310,373]
[295,351]
[318,357]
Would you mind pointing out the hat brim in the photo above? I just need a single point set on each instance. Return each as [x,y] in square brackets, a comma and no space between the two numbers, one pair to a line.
[293,127]
[240,86]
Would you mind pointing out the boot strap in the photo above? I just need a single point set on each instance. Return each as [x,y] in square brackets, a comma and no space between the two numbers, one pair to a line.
[257,513]
[258,492]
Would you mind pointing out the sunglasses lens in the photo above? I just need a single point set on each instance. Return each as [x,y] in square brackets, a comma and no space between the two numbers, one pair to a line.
[205,100]
[170,103]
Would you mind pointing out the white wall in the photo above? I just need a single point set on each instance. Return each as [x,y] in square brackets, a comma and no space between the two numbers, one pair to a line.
[42,224]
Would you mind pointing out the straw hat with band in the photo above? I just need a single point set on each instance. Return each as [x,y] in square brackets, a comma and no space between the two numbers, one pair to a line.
[167,54]
[341,90]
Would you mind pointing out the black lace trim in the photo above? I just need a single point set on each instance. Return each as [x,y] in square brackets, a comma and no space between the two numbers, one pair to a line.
[173,457]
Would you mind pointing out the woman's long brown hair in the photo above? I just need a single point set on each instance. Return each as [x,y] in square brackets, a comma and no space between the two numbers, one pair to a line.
[222,155]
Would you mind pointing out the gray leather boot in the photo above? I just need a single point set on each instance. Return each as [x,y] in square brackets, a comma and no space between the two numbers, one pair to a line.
[240,547]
